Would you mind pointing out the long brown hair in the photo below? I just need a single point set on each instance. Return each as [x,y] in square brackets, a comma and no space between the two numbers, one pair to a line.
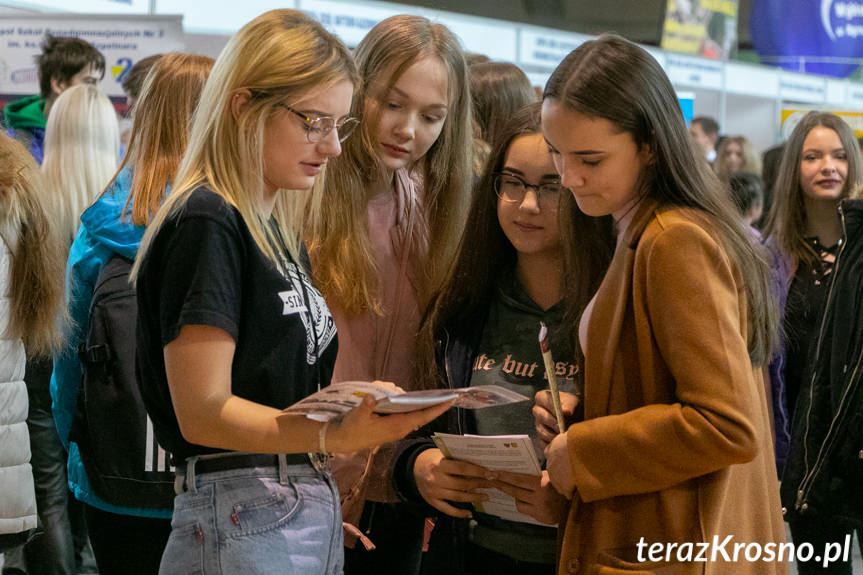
[36,272]
[787,223]
[339,243]
[617,80]
[497,91]
[160,131]
[485,255]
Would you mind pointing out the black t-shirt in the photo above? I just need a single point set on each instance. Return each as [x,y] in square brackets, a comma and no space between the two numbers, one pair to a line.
[204,268]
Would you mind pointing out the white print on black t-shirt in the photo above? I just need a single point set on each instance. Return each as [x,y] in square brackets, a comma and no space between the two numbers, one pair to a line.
[293,302]
[316,310]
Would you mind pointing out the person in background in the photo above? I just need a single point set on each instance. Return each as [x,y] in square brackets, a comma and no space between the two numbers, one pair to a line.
[704,131]
[125,540]
[31,283]
[497,90]
[747,191]
[802,232]
[820,168]
[770,161]
[384,236]
[473,58]
[81,148]
[132,84]
[734,155]
[231,330]
[82,151]
[675,446]
[509,276]
[63,63]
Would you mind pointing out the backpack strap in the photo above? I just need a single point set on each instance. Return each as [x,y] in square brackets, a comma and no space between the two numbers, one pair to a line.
[95,354]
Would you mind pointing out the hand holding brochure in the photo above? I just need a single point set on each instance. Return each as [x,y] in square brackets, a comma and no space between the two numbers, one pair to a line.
[339,398]
[514,453]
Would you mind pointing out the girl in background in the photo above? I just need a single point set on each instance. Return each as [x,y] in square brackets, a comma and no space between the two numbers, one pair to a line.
[675,445]
[497,90]
[747,192]
[82,150]
[124,539]
[31,284]
[384,235]
[734,155]
[508,277]
[821,167]
[81,153]
[230,329]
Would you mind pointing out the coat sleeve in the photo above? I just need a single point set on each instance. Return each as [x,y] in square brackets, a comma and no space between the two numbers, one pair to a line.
[86,259]
[689,300]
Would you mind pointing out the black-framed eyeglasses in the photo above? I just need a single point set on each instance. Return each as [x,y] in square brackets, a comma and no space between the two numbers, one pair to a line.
[318,127]
[512,189]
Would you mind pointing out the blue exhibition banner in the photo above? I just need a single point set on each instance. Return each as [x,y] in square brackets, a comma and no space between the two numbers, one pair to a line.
[687,105]
[811,36]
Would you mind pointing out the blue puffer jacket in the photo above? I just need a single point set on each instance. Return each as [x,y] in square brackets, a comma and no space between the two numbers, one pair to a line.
[103,232]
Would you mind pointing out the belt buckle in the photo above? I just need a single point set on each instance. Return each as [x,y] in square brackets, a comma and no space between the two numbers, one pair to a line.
[321,462]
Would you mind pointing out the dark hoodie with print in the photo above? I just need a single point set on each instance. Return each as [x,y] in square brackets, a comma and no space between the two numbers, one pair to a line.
[25,121]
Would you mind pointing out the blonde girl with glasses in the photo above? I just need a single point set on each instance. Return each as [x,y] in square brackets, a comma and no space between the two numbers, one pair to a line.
[509,275]
[383,237]
[230,329]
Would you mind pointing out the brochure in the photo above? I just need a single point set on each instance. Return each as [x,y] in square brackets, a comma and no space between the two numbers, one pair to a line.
[339,398]
[514,453]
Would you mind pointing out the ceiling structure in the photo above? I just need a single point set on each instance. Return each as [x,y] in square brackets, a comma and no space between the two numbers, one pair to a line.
[638,20]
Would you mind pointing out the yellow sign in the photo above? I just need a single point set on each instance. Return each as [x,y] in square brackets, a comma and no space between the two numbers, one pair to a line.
[791,116]
[705,28]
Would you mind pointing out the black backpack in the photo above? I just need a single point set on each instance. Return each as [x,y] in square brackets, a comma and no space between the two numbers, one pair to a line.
[124,463]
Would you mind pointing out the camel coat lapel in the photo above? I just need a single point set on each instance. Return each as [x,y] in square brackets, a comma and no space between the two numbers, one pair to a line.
[612,300]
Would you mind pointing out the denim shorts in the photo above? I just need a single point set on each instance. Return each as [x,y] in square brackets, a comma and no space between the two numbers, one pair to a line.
[256,521]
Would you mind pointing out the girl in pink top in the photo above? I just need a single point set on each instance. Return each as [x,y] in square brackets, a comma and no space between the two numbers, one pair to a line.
[384,234]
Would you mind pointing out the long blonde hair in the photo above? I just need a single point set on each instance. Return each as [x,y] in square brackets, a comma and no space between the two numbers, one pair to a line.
[279,57]
[36,271]
[82,150]
[339,243]
[160,132]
